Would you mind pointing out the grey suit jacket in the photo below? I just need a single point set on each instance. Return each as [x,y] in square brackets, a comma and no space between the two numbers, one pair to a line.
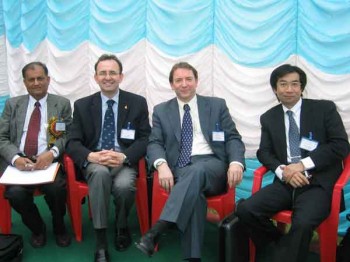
[165,138]
[12,123]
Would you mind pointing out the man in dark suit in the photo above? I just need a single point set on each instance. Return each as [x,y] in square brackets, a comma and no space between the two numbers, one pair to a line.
[108,137]
[194,164]
[47,145]
[303,142]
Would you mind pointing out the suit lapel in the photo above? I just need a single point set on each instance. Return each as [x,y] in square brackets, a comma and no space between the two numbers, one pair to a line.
[21,110]
[174,118]
[280,133]
[204,116]
[96,114]
[123,110]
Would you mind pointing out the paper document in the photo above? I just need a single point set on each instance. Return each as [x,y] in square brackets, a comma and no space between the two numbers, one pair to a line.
[13,176]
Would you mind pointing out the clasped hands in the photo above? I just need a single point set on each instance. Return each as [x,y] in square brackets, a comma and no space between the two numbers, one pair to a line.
[293,175]
[42,161]
[108,158]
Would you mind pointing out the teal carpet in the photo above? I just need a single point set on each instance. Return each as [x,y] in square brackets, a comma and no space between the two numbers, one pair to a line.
[83,251]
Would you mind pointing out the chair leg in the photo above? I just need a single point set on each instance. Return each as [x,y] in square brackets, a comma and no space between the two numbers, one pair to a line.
[5,213]
[328,244]
[75,212]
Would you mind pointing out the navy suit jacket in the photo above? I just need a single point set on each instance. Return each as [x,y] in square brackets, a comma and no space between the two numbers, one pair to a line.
[165,139]
[87,123]
[319,117]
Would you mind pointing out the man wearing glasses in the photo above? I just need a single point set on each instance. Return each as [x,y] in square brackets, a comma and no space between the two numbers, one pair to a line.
[303,142]
[108,137]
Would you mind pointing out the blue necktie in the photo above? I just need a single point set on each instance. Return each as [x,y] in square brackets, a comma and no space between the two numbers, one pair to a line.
[294,139]
[108,130]
[186,138]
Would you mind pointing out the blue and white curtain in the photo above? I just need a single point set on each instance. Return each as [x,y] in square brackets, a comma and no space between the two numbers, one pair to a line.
[234,44]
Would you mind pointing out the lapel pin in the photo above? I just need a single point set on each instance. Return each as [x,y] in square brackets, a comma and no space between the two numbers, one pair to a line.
[126,107]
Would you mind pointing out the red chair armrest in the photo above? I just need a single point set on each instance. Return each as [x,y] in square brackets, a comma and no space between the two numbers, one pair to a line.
[258,177]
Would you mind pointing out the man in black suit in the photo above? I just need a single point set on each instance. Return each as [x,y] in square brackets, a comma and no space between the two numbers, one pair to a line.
[306,169]
[108,137]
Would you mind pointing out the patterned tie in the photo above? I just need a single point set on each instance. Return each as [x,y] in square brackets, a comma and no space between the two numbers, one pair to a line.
[294,138]
[31,143]
[186,138]
[108,131]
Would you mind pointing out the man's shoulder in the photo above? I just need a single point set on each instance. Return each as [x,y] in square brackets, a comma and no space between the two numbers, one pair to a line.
[59,98]
[129,95]
[87,99]
[318,102]
[270,113]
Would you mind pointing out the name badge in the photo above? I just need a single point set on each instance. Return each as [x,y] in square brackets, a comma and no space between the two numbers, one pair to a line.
[308,144]
[60,126]
[219,136]
[128,134]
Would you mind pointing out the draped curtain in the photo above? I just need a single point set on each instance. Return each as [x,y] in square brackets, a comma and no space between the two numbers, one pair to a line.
[234,44]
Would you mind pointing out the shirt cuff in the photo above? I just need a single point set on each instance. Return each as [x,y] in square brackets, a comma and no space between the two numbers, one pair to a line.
[279,172]
[308,163]
[238,163]
[14,160]
[157,161]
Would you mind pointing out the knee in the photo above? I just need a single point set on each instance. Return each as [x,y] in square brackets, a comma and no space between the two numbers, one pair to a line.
[243,211]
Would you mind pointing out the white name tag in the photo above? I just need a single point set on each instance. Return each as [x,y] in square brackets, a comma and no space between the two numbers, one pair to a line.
[308,144]
[219,136]
[128,134]
[60,126]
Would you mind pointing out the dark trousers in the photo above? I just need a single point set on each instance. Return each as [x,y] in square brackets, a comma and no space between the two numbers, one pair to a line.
[310,205]
[22,200]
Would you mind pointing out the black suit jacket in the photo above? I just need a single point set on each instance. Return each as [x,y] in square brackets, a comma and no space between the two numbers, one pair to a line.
[87,123]
[320,117]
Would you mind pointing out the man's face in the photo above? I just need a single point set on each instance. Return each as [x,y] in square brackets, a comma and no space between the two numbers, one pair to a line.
[288,89]
[108,77]
[184,84]
[36,82]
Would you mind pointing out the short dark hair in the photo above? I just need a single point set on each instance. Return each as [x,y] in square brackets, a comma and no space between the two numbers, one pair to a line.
[285,69]
[105,57]
[32,65]
[183,65]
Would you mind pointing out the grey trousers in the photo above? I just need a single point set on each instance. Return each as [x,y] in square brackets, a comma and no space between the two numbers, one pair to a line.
[104,181]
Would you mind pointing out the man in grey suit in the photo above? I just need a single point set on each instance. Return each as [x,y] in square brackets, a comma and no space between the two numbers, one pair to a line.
[48,144]
[108,160]
[194,164]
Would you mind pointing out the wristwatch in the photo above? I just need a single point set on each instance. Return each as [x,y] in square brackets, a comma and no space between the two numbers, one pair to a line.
[126,161]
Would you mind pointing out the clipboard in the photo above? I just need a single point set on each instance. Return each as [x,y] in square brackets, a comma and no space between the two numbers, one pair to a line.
[13,176]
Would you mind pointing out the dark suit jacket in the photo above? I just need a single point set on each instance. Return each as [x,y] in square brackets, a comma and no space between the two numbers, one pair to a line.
[87,120]
[165,139]
[12,123]
[322,119]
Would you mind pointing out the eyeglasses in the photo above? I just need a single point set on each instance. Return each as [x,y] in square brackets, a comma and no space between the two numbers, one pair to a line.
[110,73]
[294,84]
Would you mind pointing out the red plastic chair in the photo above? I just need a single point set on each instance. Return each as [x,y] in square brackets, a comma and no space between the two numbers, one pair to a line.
[218,206]
[5,211]
[328,229]
[77,190]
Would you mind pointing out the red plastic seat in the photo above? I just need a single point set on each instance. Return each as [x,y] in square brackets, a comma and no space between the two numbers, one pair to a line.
[218,206]
[77,190]
[5,211]
[328,229]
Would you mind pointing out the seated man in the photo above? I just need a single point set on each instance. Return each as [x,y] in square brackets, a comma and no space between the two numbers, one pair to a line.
[303,142]
[108,137]
[32,136]
[193,161]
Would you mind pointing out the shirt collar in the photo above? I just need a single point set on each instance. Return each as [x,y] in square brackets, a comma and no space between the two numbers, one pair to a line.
[105,98]
[295,109]
[192,103]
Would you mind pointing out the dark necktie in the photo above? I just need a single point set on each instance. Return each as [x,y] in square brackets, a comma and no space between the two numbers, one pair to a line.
[108,131]
[294,138]
[31,144]
[186,138]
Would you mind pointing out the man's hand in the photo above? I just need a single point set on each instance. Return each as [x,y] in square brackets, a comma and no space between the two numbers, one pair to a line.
[24,164]
[165,176]
[108,158]
[44,160]
[234,175]
[293,175]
